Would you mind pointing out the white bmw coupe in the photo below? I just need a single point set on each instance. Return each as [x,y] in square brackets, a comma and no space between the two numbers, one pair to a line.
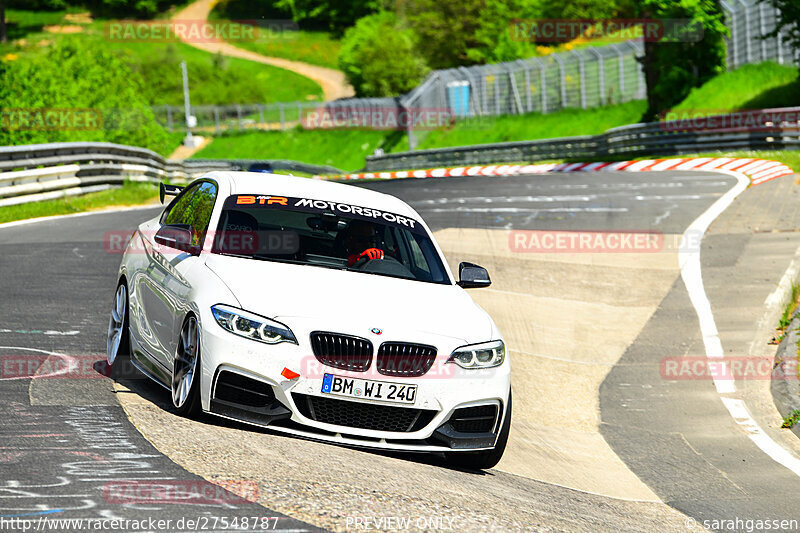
[312,308]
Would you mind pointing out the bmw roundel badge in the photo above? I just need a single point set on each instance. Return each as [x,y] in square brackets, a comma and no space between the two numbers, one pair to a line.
[376,331]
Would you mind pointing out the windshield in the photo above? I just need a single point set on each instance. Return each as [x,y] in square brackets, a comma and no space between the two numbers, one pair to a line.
[327,234]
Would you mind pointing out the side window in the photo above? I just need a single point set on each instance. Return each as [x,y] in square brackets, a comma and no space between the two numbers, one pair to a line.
[418,256]
[175,212]
[198,211]
[194,209]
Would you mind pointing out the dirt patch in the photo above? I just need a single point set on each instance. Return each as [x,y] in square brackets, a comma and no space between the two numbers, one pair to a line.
[79,18]
[68,28]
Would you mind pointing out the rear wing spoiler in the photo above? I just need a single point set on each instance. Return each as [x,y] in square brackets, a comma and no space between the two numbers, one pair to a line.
[168,190]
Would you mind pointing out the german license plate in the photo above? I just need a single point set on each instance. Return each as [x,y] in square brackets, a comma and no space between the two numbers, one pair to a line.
[369,389]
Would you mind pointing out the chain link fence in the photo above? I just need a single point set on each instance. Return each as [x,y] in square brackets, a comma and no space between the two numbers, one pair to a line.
[748,21]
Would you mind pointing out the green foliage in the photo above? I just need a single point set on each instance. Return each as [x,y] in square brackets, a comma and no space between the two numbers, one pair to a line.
[791,419]
[327,15]
[344,149]
[379,57]
[131,193]
[47,5]
[756,86]
[493,40]
[446,29]
[331,15]
[564,123]
[85,79]
[213,79]
[125,8]
[788,21]
[314,47]
[673,68]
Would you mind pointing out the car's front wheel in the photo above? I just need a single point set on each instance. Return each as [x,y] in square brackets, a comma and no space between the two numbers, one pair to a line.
[487,458]
[118,346]
[186,370]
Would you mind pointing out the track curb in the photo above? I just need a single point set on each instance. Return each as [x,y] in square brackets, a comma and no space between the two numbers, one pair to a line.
[757,170]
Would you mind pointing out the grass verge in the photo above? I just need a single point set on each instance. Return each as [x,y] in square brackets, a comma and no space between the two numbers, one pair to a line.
[347,149]
[531,126]
[757,86]
[131,193]
[344,149]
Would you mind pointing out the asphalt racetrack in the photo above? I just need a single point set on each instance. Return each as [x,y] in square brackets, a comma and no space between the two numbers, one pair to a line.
[602,439]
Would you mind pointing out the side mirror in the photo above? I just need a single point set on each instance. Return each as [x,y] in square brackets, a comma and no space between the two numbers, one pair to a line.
[472,276]
[178,237]
[168,190]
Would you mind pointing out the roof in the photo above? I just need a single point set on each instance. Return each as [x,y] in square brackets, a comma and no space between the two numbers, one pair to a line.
[283,185]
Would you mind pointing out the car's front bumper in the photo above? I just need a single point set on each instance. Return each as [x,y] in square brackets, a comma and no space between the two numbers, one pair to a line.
[268,398]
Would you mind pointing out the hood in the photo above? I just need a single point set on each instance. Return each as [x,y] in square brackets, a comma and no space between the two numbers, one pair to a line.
[352,302]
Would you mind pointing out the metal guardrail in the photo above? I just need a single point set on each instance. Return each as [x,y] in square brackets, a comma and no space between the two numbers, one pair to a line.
[656,138]
[45,171]
[39,172]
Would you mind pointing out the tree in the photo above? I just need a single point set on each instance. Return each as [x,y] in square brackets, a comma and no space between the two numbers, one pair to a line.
[89,83]
[494,40]
[788,23]
[446,29]
[579,9]
[334,16]
[671,68]
[379,56]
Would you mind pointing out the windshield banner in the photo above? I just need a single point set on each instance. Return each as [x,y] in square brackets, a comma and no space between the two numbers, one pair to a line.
[311,205]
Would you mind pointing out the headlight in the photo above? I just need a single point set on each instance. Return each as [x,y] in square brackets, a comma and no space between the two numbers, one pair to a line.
[484,355]
[252,326]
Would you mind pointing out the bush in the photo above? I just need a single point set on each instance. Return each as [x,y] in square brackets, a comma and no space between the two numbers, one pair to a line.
[379,57]
[92,80]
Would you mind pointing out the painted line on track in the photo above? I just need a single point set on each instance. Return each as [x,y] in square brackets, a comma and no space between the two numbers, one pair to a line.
[78,215]
[746,171]
[690,265]
[64,370]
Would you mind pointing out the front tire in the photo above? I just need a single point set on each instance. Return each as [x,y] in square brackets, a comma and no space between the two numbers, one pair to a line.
[487,458]
[186,370]
[118,344]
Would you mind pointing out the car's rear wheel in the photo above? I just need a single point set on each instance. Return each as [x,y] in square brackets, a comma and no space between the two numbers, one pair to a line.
[487,458]
[186,370]
[118,346]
